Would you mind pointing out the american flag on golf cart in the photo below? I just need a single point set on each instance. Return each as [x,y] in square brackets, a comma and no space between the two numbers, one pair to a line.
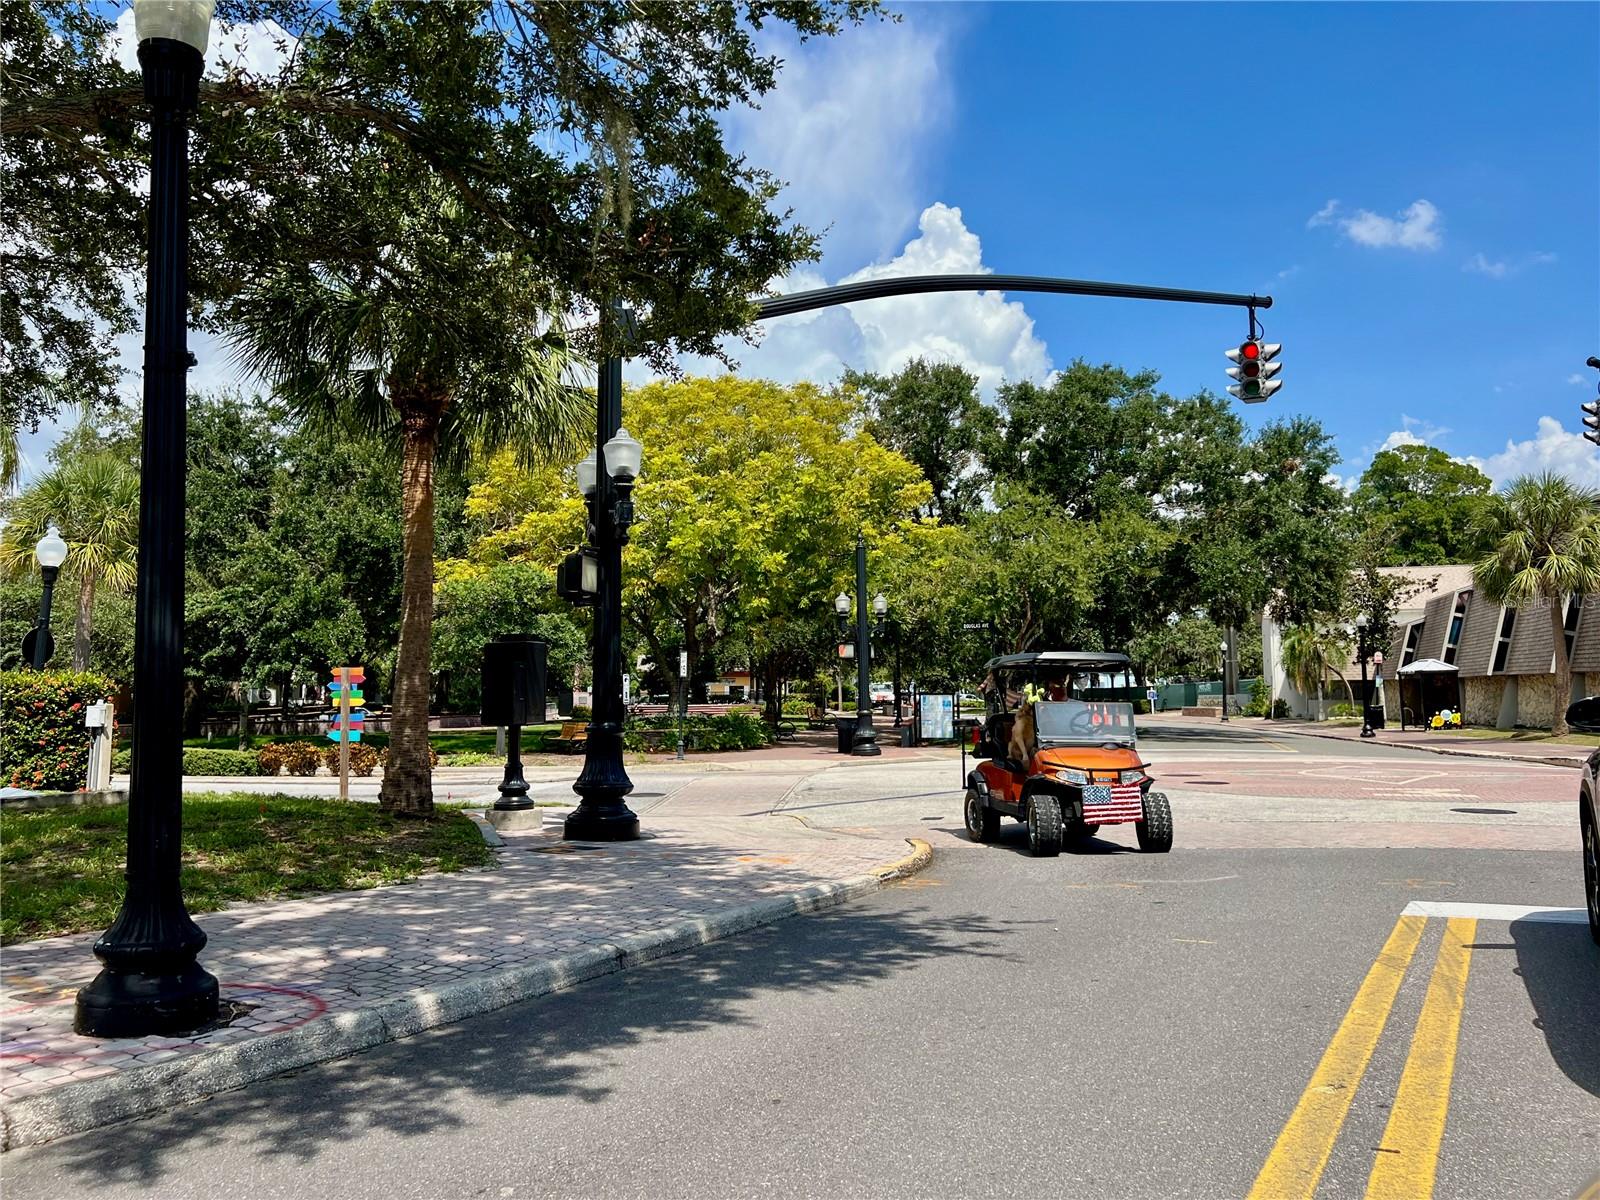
[1112,803]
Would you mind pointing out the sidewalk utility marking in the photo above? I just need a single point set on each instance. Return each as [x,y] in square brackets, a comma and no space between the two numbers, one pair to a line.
[1301,1152]
[1496,912]
[1406,1163]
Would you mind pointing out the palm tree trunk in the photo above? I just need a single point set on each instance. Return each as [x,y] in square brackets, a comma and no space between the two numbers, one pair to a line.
[1563,696]
[407,776]
[84,625]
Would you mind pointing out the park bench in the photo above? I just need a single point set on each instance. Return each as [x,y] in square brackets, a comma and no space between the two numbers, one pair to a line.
[571,739]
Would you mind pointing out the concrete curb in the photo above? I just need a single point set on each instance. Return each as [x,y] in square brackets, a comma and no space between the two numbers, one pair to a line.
[1553,760]
[79,1107]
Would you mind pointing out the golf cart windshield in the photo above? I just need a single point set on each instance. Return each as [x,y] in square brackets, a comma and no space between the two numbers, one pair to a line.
[1083,722]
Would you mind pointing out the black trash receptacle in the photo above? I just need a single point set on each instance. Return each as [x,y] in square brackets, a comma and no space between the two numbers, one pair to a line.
[847,733]
[907,737]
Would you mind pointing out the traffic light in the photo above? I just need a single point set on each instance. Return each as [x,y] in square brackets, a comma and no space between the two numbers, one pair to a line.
[1255,370]
[1591,412]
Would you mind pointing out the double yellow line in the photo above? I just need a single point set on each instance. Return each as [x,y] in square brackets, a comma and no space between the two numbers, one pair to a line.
[1404,1166]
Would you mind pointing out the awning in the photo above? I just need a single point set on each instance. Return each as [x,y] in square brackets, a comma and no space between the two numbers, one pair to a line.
[1427,666]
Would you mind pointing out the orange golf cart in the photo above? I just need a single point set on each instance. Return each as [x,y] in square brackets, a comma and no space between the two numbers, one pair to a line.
[1062,765]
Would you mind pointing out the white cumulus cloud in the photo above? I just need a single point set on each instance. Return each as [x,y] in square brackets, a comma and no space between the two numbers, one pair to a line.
[850,127]
[1481,264]
[1575,378]
[1553,448]
[1416,228]
[982,331]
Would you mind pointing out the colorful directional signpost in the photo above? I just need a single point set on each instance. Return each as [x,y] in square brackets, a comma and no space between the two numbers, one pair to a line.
[348,718]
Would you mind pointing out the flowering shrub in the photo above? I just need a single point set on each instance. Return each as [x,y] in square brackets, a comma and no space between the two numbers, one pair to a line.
[363,758]
[44,743]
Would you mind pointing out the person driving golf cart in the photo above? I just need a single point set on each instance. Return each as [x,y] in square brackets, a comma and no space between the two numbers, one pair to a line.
[1061,764]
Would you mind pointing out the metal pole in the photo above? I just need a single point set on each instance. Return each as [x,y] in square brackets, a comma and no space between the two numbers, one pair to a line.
[866,738]
[906,285]
[344,733]
[897,674]
[151,982]
[1366,700]
[42,635]
[602,814]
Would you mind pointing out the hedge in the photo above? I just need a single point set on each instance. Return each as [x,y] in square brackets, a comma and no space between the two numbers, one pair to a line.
[44,744]
[738,729]
[201,762]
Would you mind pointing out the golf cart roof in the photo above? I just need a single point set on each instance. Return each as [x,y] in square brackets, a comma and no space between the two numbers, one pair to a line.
[1068,660]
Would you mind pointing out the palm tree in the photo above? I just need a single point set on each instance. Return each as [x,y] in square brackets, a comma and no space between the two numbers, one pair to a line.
[94,501]
[1544,534]
[449,352]
[1310,653]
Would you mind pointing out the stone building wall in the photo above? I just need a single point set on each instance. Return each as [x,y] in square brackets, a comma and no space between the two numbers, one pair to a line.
[1536,701]
[1481,704]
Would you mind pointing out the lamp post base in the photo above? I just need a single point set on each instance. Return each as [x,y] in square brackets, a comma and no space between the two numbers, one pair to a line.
[591,823]
[865,742]
[120,1004]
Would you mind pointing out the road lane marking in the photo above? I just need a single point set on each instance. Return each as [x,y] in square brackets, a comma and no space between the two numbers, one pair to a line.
[1408,1158]
[1496,912]
[1301,1152]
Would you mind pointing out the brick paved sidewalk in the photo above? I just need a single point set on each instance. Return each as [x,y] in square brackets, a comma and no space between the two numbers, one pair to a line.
[293,964]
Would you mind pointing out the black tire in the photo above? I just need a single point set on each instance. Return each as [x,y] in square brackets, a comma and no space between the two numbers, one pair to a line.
[983,823]
[1591,876]
[1044,826]
[1155,831]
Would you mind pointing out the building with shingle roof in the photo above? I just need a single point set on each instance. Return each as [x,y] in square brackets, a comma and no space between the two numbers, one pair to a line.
[1503,658]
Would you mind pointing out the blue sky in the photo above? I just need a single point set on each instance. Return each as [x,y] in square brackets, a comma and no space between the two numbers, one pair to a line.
[1451,294]
[1417,186]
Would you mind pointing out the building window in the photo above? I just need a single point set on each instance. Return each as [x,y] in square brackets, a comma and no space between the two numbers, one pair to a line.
[1574,607]
[1502,646]
[1453,638]
[1413,636]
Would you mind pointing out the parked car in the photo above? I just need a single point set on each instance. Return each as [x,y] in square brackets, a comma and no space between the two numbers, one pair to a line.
[1585,715]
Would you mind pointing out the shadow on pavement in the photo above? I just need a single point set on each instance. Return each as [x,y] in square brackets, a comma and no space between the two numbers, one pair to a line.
[557,1046]
[1560,967]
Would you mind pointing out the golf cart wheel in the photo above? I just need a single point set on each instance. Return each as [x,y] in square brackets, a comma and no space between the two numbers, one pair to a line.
[1591,876]
[1155,831]
[1044,826]
[983,823]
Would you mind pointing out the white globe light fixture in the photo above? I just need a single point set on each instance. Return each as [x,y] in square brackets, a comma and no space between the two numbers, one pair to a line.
[1361,620]
[588,471]
[880,604]
[51,550]
[186,21]
[624,456]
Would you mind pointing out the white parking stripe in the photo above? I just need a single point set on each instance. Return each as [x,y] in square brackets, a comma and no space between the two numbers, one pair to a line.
[1497,912]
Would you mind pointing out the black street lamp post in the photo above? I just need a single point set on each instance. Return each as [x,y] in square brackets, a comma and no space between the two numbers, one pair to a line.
[603,814]
[150,982]
[51,552]
[1361,653]
[865,742]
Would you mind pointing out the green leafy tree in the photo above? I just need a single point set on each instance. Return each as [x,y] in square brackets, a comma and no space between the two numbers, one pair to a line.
[1544,537]
[1312,652]
[746,514]
[931,413]
[94,502]
[585,138]
[1428,502]
[476,605]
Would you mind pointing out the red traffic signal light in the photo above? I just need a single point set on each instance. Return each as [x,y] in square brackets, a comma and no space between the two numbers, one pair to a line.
[1255,370]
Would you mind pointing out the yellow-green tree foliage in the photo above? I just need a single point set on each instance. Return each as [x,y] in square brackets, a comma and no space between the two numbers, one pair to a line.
[747,508]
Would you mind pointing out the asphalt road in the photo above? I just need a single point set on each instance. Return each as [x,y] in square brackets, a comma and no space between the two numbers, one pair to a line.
[1105,1024]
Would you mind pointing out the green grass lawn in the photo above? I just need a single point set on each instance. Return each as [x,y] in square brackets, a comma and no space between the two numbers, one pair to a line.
[61,868]
[1524,735]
